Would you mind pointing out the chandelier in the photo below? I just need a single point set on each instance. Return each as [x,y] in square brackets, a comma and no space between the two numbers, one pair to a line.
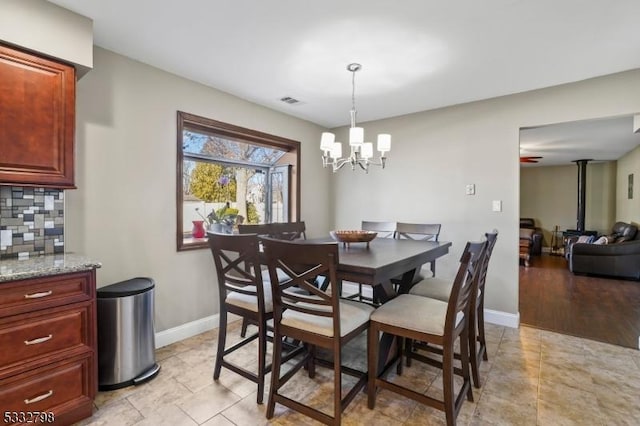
[361,152]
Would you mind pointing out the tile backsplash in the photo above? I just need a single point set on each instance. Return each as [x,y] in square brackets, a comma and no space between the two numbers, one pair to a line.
[31,221]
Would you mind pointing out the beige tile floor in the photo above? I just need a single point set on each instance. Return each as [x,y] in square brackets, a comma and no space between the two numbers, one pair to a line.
[533,377]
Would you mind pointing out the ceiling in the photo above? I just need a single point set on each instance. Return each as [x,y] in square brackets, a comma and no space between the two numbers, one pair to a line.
[416,54]
[603,139]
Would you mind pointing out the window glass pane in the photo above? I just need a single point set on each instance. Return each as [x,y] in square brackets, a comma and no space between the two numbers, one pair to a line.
[279,190]
[222,194]
[229,149]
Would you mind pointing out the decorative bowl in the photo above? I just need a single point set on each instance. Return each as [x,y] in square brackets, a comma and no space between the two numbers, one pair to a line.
[355,236]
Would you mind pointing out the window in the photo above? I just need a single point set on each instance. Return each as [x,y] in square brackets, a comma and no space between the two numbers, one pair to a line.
[229,175]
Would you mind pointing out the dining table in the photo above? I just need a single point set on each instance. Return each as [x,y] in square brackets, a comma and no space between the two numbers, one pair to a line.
[377,262]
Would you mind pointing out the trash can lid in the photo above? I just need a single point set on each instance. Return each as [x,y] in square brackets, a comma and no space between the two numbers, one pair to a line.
[126,288]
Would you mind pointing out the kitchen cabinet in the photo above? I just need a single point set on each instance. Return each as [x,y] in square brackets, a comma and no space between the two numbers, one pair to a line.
[37,120]
[48,335]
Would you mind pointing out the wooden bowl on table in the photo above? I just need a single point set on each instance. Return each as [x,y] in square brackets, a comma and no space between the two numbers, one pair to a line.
[355,236]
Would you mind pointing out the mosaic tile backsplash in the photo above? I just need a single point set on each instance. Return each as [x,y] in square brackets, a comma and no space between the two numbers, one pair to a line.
[31,221]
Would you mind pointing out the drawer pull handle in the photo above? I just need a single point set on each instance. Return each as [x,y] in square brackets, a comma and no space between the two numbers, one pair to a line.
[38,340]
[38,295]
[39,398]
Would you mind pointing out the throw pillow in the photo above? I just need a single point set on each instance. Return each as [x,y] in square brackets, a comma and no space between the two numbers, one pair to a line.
[602,240]
[585,239]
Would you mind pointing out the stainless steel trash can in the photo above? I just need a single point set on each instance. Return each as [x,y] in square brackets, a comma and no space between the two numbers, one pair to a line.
[126,340]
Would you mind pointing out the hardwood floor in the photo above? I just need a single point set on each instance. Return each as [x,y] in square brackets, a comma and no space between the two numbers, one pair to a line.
[603,309]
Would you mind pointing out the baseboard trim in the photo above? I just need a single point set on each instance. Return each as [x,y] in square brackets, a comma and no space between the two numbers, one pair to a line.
[502,318]
[190,329]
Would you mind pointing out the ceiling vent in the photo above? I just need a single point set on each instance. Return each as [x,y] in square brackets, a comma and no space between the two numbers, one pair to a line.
[289,100]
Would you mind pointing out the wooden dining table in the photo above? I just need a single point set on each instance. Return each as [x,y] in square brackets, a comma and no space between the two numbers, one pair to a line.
[386,258]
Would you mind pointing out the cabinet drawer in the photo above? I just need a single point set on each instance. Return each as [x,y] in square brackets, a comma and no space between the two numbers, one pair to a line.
[39,293]
[56,388]
[43,336]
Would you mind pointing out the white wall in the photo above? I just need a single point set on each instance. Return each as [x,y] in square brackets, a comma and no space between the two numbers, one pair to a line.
[628,210]
[124,210]
[49,29]
[435,153]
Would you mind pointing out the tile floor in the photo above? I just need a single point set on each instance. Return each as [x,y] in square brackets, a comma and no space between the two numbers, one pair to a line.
[533,377]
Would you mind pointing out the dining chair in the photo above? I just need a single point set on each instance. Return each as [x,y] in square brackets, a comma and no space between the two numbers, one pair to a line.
[281,231]
[440,323]
[318,318]
[254,228]
[241,292]
[440,289]
[384,229]
[288,230]
[419,232]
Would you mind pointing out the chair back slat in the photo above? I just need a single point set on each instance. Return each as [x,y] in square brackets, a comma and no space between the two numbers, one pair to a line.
[280,231]
[384,229]
[236,258]
[302,262]
[288,231]
[260,229]
[418,231]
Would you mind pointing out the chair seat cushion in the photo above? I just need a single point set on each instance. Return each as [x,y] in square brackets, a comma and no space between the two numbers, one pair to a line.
[352,316]
[435,288]
[250,302]
[417,313]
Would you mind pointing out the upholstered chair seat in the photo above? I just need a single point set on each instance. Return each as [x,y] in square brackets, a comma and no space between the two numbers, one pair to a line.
[394,313]
[435,288]
[250,302]
[352,315]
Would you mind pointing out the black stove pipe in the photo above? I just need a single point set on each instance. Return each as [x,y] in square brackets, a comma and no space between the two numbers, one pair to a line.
[582,192]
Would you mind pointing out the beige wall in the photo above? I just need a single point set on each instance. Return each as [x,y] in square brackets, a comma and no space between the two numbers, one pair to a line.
[550,196]
[629,210]
[435,153]
[124,210]
[49,29]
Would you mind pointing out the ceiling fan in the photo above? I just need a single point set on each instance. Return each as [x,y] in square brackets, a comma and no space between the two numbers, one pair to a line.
[529,159]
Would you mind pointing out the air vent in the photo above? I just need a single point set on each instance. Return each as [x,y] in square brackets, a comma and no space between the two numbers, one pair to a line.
[289,100]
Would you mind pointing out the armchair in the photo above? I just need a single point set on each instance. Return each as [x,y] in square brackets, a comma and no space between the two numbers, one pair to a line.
[536,235]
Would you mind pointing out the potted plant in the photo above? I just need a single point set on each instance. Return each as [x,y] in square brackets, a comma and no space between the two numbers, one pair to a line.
[222,220]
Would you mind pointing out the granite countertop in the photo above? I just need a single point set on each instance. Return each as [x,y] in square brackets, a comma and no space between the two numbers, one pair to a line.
[42,266]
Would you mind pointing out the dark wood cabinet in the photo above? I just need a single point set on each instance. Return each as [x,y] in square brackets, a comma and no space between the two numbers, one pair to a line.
[48,340]
[37,120]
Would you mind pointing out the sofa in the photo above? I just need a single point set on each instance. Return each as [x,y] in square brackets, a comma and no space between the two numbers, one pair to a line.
[535,236]
[619,257]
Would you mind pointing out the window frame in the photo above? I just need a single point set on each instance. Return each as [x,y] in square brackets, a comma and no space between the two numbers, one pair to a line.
[219,128]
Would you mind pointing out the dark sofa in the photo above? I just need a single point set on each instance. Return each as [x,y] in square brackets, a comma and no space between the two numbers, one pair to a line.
[620,258]
[535,236]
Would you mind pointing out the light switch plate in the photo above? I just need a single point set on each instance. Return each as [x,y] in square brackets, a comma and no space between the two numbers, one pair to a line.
[470,189]
[497,205]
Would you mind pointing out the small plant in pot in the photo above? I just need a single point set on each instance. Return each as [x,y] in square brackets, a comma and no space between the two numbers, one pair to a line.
[222,220]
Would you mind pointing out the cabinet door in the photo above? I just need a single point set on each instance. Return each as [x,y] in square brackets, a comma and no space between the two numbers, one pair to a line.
[37,120]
